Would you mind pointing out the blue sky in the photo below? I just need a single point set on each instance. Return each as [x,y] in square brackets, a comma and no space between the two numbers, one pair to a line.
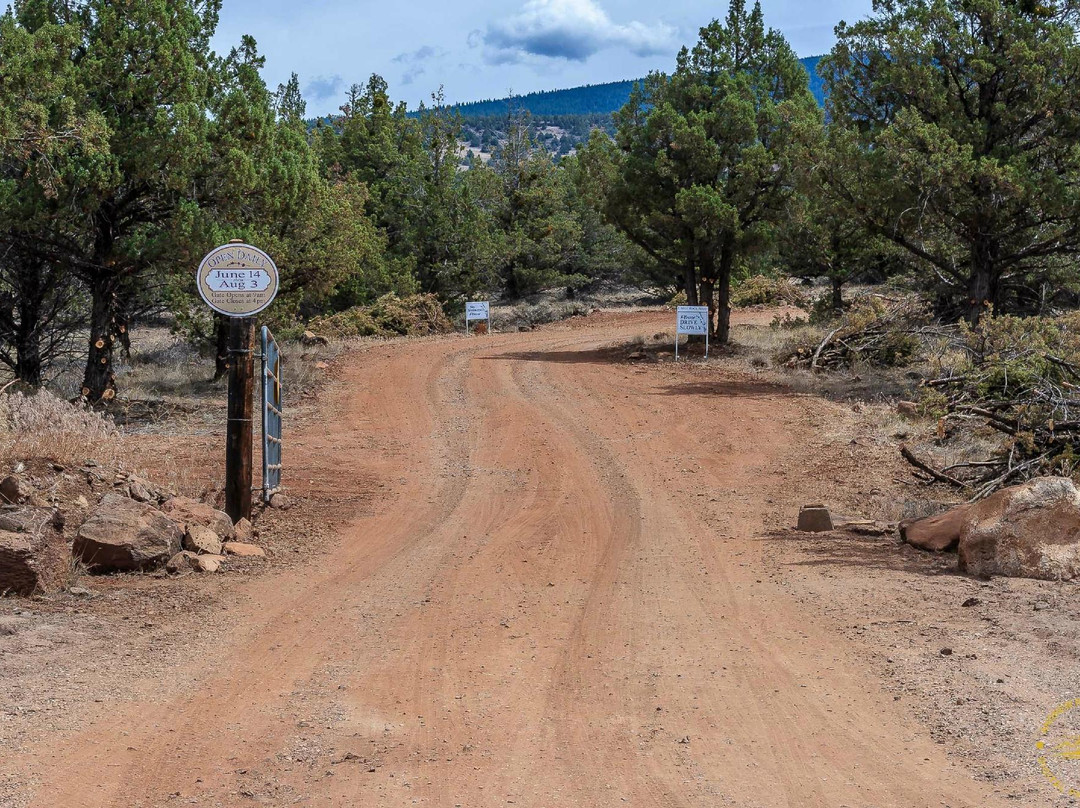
[487,48]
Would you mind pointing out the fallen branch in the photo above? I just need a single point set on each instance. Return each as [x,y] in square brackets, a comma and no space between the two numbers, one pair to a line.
[821,347]
[910,457]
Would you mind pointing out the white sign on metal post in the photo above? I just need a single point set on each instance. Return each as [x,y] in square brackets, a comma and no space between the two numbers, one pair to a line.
[691,320]
[477,310]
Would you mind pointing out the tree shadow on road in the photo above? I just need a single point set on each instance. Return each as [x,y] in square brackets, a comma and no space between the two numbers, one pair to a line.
[596,356]
[728,388]
[840,548]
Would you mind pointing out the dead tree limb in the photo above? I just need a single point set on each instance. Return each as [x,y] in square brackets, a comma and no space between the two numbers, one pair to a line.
[910,457]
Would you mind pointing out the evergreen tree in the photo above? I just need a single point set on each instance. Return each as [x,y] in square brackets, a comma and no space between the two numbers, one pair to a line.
[143,71]
[539,233]
[48,139]
[706,158]
[956,124]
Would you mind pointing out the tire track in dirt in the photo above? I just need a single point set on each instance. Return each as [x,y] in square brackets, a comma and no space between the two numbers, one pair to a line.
[541,609]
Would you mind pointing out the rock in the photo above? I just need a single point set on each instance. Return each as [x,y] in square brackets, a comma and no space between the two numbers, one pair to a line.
[637,355]
[207,563]
[1030,530]
[122,535]
[80,591]
[322,365]
[80,502]
[15,489]
[11,625]
[239,548]
[908,408]
[31,520]
[946,652]
[814,519]
[936,533]
[188,512]
[862,527]
[280,501]
[18,565]
[967,604]
[311,338]
[201,539]
[243,531]
[139,489]
[180,563]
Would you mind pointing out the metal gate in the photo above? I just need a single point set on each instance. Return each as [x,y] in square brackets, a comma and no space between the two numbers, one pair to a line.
[271,414]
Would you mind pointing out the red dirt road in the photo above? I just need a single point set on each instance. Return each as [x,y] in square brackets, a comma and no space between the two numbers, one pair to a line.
[558,598]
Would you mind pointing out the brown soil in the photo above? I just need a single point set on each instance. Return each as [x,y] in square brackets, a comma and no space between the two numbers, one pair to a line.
[554,578]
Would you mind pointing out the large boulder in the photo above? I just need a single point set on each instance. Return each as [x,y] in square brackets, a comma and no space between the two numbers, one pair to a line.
[123,535]
[937,533]
[189,512]
[18,564]
[1026,531]
[33,552]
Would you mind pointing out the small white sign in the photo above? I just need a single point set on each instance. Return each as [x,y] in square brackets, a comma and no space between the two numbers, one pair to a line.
[476,311]
[692,320]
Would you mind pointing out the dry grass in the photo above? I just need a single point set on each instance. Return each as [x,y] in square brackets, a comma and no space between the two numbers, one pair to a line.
[300,369]
[172,371]
[42,425]
[530,315]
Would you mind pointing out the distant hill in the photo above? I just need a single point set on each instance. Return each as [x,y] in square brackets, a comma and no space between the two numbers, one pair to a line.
[592,99]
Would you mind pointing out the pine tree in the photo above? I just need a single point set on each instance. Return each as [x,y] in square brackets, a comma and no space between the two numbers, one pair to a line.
[706,157]
[956,124]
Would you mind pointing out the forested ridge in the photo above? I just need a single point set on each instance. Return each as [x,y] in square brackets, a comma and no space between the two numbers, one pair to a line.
[943,161]
[591,99]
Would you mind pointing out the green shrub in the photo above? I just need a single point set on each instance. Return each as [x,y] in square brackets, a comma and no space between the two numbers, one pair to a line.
[389,316]
[760,290]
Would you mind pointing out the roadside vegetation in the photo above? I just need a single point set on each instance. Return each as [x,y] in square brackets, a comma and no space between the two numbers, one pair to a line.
[942,167]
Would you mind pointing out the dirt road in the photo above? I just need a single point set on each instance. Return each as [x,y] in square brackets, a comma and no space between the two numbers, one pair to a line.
[558,597]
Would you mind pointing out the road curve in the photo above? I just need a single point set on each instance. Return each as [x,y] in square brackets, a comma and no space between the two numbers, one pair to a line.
[559,598]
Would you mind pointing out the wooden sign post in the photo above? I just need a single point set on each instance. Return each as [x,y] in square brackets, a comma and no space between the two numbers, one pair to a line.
[238,431]
[239,281]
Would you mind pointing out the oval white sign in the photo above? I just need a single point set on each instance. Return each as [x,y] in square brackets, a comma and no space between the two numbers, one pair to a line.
[237,280]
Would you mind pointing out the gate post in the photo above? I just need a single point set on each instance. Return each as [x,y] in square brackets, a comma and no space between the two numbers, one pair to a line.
[241,405]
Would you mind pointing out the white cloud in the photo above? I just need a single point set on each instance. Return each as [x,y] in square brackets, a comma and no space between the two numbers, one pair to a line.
[322,87]
[569,29]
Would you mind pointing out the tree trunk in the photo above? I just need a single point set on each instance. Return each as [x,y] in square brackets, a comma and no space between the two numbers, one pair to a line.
[708,278]
[690,283]
[28,362]
[837,293]
[221,346]
[983,281]
[723,283]
[28,345]
[99,381]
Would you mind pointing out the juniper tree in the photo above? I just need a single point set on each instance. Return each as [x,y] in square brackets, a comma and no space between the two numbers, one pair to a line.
[955,124]
[706,157]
